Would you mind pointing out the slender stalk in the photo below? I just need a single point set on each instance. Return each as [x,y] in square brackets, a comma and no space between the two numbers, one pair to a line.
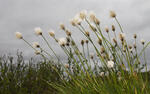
[33,47]
[83,51]
[109,36]
[82,30]
[145,59]
[29,44]
[88,52]
[46,52]
[50,47]
[119,24]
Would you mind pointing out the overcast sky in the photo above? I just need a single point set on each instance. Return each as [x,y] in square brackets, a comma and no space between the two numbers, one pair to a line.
[25,15]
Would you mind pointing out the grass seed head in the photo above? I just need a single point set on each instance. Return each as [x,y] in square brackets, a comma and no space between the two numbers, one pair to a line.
[134,36]
[110,64]
[86,41]
[62,26]
[66,65]
[134,45]
[115,41]
[38,31]
[67,44]
[62,41]
[51,33]
[97,21]
[100,41]
[112,14]
[93,18]
[102,74]
[113,28]
[36,45]
[102,50]
[76,20]
[68,33]
[92,56]
[83,14]
[18,35]
[37,52]
[122,37]
[106,29]
[119,73]
[73,22]
[82,42]
[142,41]
[87,33]
[130,47]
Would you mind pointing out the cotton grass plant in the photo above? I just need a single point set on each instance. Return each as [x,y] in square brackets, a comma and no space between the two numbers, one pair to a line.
[114,68]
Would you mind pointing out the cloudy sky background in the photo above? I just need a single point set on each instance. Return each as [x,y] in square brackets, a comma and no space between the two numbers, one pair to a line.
[25,15]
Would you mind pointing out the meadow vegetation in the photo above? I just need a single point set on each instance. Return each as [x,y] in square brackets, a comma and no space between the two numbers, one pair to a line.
[114,66]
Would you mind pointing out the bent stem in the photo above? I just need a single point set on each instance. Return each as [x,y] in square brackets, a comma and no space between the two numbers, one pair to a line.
[50,47]
[46,52]
[119,24]
[34,48]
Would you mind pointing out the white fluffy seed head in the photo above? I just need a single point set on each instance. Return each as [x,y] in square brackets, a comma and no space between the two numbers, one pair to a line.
[110,64]
[83,14]
[37,52]
[92,16]
[134,36]
[102,74]
[122,36]
[143,41]
[76,20]
[62,26]
[73,22]
[62,41]
[91,55]
[51,33]
[18,35]
[107,29]
[112,14]
[36,45]
[66,65]
[38,31]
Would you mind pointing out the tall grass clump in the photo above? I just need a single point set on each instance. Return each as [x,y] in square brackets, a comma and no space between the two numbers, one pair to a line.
[27,77]
[115,66]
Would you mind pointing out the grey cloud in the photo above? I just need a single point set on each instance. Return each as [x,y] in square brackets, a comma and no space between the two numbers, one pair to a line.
[24,15]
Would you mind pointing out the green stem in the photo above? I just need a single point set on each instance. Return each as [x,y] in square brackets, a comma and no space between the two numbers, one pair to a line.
[88,53]
[119,24]
[33,47]
[46,52]
[50,47]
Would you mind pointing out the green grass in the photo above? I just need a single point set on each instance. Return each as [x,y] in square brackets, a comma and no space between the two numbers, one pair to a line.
[20,77]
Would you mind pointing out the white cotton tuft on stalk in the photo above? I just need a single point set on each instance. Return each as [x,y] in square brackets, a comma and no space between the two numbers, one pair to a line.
[18,35]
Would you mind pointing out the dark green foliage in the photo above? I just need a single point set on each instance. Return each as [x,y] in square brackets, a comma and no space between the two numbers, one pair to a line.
[20,77]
